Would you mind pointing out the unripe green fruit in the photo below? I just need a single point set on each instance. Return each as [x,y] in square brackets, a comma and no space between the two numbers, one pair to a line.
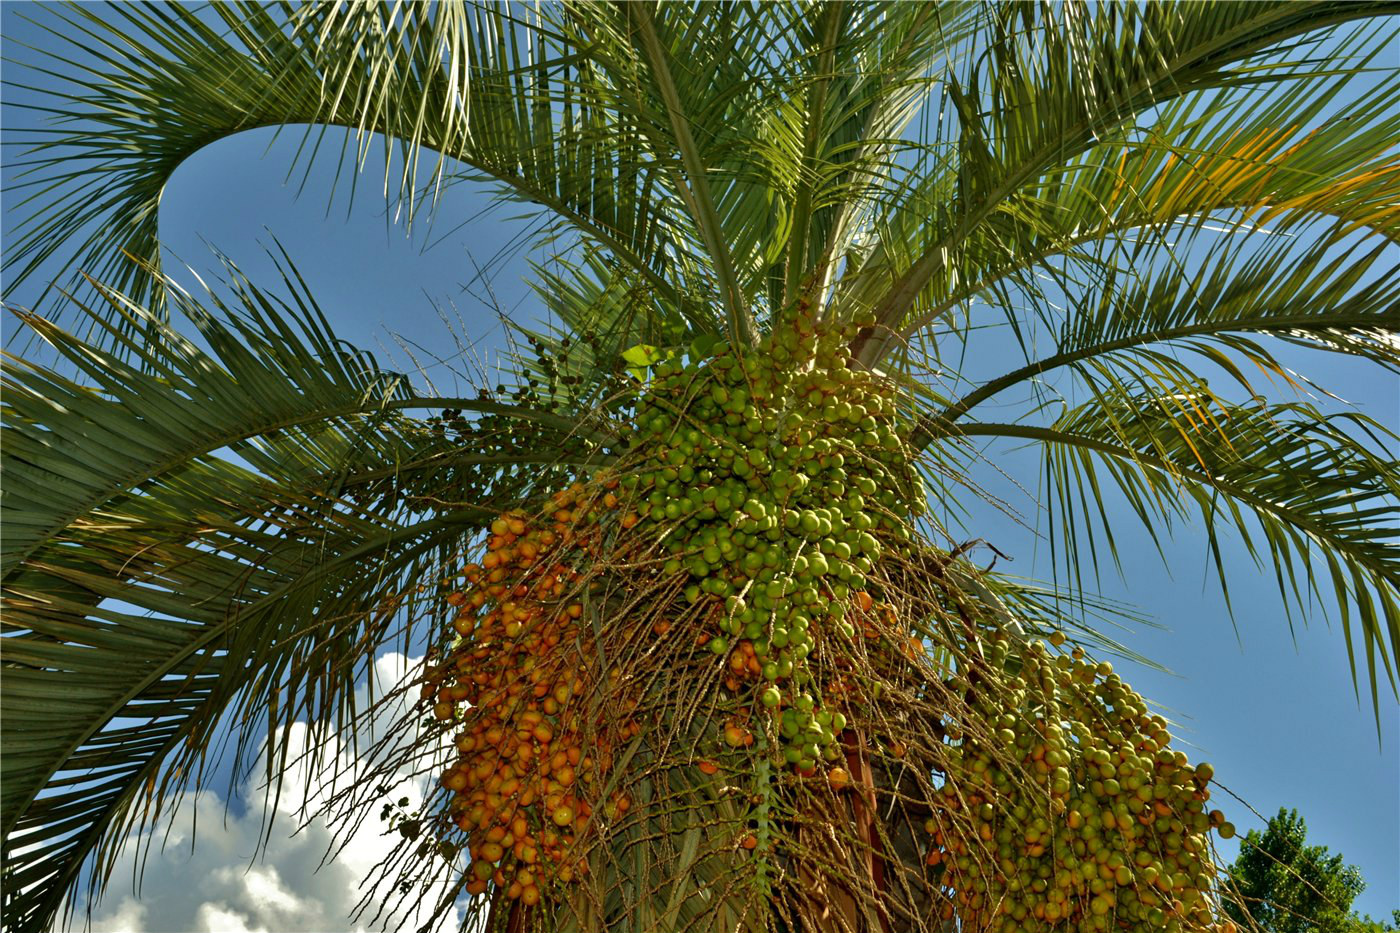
[758,485]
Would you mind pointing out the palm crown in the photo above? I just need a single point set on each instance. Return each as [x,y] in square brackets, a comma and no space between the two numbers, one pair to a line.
[1140,192]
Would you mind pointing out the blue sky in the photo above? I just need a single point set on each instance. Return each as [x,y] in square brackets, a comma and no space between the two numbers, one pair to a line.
[1274,710]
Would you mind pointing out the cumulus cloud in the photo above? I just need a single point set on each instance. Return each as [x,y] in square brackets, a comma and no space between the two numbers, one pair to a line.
[200,874]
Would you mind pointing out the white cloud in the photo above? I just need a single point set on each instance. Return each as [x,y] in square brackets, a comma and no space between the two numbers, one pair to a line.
[200,874]
[213,918]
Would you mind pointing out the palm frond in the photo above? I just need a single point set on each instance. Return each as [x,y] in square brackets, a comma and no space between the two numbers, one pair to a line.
[694,185]
[1343,300]
[1054,88]
[1313,498]
[1254,171]
[167,81]
[198,527]
[872,67]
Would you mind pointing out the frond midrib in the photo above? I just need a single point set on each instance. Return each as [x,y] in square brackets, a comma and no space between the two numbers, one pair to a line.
[984,392]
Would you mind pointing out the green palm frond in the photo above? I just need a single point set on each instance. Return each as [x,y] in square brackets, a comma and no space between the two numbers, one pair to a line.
[1245,170]
[545,132]
[1312,497]
[692,177]
[1235,297]
[872,66]
[1135,349]
[545,104]
[1054,88]
[195,527]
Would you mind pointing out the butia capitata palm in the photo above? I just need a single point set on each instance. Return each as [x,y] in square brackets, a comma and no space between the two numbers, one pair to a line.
[705,644]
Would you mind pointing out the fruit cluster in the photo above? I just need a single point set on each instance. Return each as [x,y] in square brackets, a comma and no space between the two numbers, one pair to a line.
[527,756]
[775,474]
[1068,810]
[759,491]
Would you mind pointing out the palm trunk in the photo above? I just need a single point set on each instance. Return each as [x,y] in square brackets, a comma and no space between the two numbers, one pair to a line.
[864,810]
[826,907]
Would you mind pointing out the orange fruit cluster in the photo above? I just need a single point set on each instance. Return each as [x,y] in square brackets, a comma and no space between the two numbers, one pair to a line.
[528,758]
[744,664]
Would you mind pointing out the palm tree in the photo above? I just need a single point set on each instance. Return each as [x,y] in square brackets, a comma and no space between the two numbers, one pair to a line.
[214,533]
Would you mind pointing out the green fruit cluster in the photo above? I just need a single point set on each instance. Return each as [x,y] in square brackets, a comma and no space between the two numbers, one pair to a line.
[1071,812]
[774,475]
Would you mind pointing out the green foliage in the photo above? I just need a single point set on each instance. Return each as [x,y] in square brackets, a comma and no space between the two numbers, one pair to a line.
[1367,925]
[1287,886]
